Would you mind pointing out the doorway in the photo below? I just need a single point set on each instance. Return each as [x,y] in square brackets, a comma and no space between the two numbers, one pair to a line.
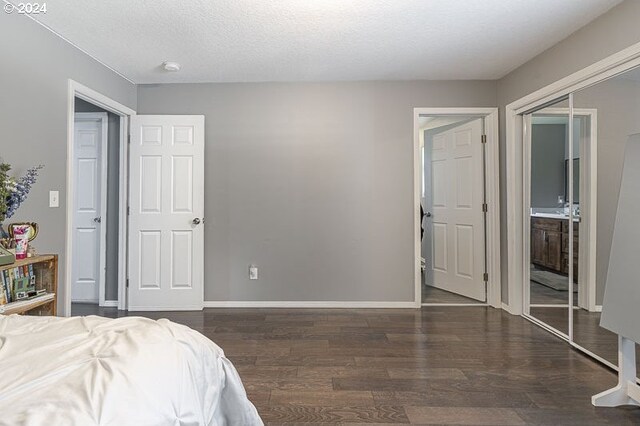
[160,210]
[457,208]
[562,146]
[96,200]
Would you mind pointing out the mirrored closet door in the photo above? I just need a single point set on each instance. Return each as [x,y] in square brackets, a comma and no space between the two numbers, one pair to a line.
[611,117]
[575,158]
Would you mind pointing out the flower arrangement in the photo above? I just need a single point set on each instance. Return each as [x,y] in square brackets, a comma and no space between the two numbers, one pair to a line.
[14,191]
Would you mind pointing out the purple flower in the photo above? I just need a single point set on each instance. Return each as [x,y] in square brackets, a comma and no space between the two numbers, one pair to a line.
[18,194]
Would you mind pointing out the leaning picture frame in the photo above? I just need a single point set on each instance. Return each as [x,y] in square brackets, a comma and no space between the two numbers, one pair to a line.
[6,257]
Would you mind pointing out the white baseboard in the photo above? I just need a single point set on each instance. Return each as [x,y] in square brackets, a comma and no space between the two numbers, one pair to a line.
[87,301]
[598,308]
[507,308]
[110,304]
[307,304]
[165,308]
[455,305]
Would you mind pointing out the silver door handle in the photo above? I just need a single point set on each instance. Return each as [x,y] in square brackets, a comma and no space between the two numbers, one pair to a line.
[196,221]
[97,219]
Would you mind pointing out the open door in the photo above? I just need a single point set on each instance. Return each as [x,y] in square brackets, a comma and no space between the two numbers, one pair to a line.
[166,216]
[457,223]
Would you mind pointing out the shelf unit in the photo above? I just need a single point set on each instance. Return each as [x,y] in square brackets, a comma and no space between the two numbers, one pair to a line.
[45,268]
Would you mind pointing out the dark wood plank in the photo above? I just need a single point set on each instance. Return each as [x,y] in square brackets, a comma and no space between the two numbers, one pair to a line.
[436,365]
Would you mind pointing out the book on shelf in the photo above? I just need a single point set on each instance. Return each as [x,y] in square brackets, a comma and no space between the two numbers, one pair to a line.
[7,284]
[3,290]
[18,283]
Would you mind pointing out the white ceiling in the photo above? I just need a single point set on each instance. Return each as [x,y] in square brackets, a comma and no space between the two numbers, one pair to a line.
[317,40]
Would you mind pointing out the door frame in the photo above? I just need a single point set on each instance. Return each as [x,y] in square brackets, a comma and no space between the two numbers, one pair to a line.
[75,89]
[606,68]
[492,195]
[589,191]
[104,161]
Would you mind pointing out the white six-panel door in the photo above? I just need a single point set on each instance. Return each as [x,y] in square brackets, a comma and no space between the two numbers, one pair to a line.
[457,171]
[166,221]
[89,185]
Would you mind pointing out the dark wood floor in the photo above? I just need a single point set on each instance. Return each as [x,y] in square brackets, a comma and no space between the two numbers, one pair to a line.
[431,294]
[543,295]
[586,331]
[437,365]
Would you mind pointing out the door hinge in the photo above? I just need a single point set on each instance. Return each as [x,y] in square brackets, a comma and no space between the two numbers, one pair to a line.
[485,207]
[486,277]
[128,210]
[127,282]
[483,138]
[129,138]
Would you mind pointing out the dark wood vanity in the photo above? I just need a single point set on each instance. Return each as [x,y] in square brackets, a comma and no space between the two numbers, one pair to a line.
[550,244]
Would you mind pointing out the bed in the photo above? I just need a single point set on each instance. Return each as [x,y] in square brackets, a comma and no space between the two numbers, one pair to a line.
[127,371]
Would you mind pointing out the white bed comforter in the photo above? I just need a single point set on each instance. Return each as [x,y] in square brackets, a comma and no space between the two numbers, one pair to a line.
[127,371]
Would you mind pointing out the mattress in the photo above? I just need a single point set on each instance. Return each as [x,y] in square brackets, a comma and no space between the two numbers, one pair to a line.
[127,371]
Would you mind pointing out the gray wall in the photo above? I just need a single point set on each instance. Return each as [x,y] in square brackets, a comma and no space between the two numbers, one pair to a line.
[113,199]
[547,164]
[615,30]
[618,104]
[355,162]
[33,115]
[311,182]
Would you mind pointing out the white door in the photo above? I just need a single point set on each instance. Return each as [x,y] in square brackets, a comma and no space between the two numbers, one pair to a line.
[166,222]
[89,203]
[457,170]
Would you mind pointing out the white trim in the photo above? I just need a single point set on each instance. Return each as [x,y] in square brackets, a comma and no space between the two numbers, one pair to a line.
[164,308]
[307,304]
[597,308]
[104,164]
[507,308]
[525,210]
[494,287]
[109,304]
[123,200]
[608,67]
[74,90]
[549,305]
[587,248]
[456,304]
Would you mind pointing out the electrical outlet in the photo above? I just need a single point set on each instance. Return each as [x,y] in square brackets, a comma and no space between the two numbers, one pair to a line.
[560,199]
[253,272]
[54,199]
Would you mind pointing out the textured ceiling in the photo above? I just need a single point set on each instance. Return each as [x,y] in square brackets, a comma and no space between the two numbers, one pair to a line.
[317,40]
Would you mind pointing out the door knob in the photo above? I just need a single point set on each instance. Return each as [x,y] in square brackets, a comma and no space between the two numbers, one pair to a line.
[97,219]
[196,221]
[428,214]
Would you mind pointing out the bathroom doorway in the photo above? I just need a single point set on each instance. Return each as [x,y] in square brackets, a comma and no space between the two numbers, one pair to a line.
[457,203]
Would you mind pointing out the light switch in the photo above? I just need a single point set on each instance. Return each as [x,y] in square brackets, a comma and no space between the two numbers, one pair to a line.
[54,199]
[253,272]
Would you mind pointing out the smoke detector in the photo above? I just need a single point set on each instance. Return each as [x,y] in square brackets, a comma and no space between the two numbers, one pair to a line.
[171,66]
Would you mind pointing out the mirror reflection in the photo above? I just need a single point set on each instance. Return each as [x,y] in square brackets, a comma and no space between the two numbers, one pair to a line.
[549,287]
[614,105]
